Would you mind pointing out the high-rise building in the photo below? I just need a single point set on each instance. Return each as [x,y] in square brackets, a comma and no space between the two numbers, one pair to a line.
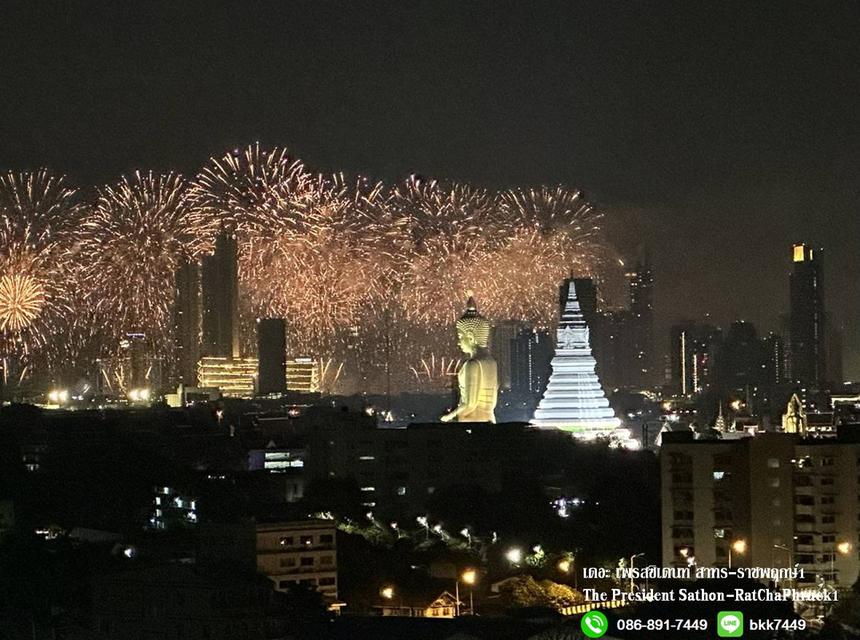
[503,333]
[833,352]
[531,353]
[220,287]
[134,345]
[692,356]
[774,347]
[640,283]
[574,400]
[741,359]
[186,323]
[272,355]
[807,323]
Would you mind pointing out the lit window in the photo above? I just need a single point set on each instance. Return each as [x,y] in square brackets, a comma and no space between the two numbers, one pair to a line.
[401,491]
[773,482]
[773,463]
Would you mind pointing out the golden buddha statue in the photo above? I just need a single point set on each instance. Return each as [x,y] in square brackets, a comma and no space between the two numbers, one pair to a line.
[478,377]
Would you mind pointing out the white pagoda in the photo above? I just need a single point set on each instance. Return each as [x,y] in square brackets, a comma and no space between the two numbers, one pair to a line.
[574,400]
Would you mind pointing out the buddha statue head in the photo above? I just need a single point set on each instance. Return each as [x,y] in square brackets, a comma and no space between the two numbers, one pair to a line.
[473,329]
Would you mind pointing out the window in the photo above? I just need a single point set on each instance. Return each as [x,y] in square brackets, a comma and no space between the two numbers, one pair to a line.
[828,499]
[719,533]
[307,561]
[827,461]
[326,560]
[288,562]
[719,475]
[827,482]
[828,538]
[776,502]
[773,463]
[368,489]
[828,519]
[287,542]
[683,515]
[326,582]
[306,540]
[773,482]
[326,538]
[401,490]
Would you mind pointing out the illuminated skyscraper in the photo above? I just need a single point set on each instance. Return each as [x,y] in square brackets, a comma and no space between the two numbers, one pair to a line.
[807,322]
[574,400]
[187,323]
[220,289]
[272,353]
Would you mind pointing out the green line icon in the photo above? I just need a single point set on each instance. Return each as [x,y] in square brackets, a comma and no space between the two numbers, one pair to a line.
[730,624]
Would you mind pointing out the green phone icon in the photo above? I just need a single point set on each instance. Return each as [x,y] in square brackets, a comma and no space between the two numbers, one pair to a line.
[730,624]
[594,624]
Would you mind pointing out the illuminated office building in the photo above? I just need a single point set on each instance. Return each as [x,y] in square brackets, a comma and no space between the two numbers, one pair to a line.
[235,377]
[303,375]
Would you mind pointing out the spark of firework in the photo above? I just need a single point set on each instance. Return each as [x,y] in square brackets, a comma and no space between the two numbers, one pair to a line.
[244,190]
[134,239]
[38,217]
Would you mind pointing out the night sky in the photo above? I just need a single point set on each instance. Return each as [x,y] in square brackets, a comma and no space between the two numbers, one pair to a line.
[713,136]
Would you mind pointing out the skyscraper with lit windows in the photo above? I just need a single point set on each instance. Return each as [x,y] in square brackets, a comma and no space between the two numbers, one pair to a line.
[807,320]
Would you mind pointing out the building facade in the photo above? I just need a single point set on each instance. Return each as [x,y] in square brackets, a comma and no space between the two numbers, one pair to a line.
[220,300]
[786,499]
[272,355]
[807,321]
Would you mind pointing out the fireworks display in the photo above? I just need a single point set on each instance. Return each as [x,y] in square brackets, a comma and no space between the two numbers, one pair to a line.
[39,216]
[365,274]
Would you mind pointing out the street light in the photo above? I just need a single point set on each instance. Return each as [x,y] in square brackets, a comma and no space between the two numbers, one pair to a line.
[844,548]
[739,547]
[469,577]
[387,592]
[632,558]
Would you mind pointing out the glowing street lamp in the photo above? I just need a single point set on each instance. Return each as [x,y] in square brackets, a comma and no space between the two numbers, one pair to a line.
[564,565]
[738,546]
[514,555]
[469,577]
[387,592]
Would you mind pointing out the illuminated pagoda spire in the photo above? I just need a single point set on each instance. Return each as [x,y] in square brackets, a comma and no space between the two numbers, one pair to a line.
[574,400]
